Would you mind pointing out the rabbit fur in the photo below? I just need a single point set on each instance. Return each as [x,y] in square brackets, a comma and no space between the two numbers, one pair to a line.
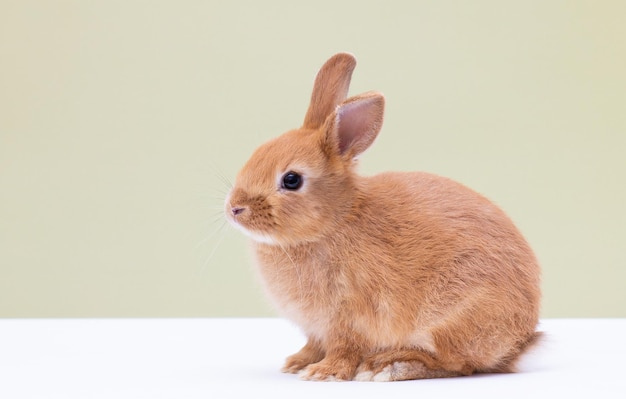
[401,275]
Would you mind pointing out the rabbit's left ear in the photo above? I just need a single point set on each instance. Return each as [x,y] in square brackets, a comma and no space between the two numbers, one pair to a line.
[354,125]
[330,89]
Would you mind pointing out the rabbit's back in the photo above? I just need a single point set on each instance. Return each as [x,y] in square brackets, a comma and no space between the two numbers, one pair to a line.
[455,265]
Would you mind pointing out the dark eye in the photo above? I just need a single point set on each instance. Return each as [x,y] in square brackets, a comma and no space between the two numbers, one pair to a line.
[292,181]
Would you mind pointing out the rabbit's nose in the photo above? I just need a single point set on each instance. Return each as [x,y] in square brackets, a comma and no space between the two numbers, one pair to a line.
[236,210]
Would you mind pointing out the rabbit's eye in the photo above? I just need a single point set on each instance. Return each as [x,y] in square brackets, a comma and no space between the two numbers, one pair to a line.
[292,181]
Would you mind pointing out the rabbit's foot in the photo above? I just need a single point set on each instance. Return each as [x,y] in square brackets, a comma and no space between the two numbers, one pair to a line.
[296,363]
[401,371]
[410,364]
[396,371]
[330,370]
[309,354]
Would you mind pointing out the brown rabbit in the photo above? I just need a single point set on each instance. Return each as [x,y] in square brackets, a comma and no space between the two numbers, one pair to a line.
[391,277]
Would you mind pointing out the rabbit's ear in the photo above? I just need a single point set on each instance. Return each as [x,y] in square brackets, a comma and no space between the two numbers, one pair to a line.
[352,128]
[330,89]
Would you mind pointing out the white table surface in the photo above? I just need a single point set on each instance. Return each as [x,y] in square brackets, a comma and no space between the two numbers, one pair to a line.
[237,358]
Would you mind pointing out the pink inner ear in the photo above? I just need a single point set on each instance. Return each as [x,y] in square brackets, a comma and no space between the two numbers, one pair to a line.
[357,126]
[350,125]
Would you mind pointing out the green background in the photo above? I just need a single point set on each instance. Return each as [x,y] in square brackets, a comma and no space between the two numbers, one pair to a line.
[120,121]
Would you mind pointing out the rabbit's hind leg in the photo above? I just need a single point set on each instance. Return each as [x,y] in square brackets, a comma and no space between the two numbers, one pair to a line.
[405,364]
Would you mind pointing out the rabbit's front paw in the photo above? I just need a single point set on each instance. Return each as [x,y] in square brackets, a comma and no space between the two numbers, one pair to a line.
[329,370]
[295,363]
[309,354]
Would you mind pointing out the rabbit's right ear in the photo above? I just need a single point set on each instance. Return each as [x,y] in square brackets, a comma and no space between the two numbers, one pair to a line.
[330,89]
[353,127]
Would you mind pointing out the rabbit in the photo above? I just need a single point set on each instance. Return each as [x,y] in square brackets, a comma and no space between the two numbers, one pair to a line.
[396,276]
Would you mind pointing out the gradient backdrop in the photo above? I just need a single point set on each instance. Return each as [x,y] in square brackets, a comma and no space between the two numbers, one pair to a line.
[120,121]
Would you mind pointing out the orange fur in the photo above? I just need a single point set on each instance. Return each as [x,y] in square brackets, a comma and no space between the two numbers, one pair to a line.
[395,276]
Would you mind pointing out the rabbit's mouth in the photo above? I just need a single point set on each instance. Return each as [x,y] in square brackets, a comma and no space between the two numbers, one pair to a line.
[259,237]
